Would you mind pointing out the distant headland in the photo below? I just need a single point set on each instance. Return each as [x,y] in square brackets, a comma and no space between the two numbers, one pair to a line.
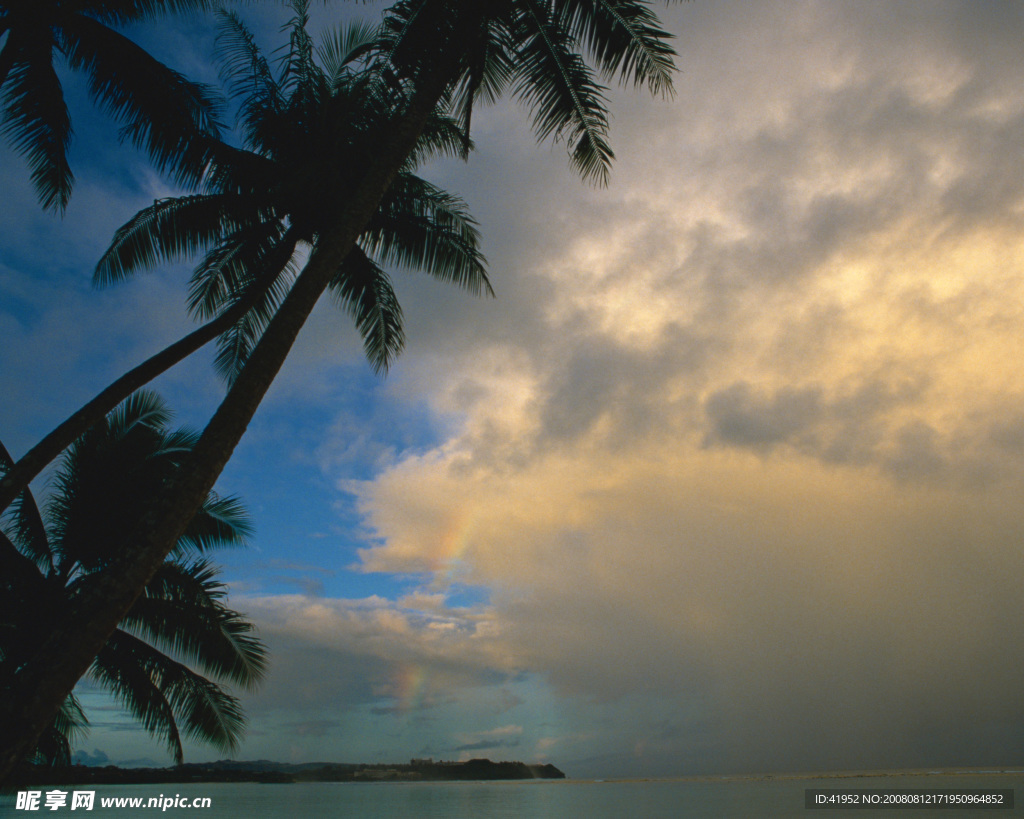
[417,770]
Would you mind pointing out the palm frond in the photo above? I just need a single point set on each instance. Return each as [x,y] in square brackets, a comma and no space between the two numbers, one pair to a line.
[489,70]
[553,79]
[36,118]
[304,83]
[69,725]
[442,137]
[181,612]
[141,408]
[169,229]
[342,47]
[246,259]
[273,275]
[246,73]
[26,523]
[206,712]
[132,671]
[420,226]
[222,521]
[120,12]
[364,291]
[625,39]
[174,445]
[167,697]
[172,119]
[236,344]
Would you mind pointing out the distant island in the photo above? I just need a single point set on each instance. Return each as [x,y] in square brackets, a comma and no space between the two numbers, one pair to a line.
[417,770]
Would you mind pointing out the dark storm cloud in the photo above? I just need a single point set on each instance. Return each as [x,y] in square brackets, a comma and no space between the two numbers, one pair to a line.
[789,305]
[738,417]
[735,454]
[485,745]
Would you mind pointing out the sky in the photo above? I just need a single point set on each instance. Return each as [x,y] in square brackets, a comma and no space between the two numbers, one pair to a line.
[727,476]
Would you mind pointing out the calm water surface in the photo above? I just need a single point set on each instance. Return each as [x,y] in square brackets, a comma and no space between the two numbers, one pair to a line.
[653,799]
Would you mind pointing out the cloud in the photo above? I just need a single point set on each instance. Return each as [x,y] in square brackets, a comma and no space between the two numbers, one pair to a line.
[752,453]
[507,736]
[312,728]
[731,466]
[739,418]
[767,594]
[733,458]
[64,340]
[348,653]
[96,759]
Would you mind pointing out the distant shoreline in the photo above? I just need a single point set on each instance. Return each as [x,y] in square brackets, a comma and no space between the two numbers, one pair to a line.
[265,771]
[270,772]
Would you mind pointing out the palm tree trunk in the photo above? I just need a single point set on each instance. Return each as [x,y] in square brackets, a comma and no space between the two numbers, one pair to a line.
[32,694]
[56,441]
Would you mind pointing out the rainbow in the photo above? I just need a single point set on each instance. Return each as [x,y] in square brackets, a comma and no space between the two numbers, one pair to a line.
[453,544]
[409,686]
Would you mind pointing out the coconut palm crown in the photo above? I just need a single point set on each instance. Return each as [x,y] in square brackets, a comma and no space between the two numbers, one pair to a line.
[262,203]
[161,111]
[181,619]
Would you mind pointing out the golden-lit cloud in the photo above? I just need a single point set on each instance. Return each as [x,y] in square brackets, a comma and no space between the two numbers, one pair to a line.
[761,446]
[728,475]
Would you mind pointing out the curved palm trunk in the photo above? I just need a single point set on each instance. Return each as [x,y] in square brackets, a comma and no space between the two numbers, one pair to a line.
[32,694]
[61,437]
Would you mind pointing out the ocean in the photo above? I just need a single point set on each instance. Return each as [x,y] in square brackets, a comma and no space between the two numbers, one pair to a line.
[762,797]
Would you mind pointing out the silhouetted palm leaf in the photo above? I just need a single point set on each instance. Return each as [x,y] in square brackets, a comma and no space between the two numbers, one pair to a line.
[303,131]
[539,49]
[70,725]
[181,618]
[162,112]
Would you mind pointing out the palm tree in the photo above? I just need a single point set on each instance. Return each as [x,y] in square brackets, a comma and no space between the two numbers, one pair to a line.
[247,221]
[70,724]
[262,203]
[28,467]
[179,620]
[162,112]
[435,52]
